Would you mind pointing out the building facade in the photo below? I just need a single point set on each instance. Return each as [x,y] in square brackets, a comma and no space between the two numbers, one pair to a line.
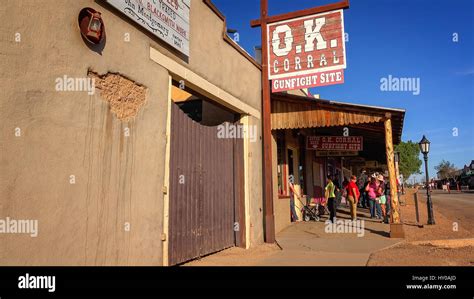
[296,118]
[101,169]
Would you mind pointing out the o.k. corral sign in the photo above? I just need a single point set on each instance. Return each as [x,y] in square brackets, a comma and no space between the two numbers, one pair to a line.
[166,19]
[335,143]
[307,51]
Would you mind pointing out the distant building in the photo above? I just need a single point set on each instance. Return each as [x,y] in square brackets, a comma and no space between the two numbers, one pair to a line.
[466,178]
[468,168]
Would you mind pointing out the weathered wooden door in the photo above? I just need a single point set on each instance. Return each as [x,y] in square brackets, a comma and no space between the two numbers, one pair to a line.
[205,200]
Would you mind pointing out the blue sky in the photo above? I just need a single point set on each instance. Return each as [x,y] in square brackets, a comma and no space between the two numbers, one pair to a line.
[402,38]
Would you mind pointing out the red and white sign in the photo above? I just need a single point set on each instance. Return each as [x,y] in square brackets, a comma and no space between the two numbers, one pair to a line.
[335,143]
[302,47]
[305,81]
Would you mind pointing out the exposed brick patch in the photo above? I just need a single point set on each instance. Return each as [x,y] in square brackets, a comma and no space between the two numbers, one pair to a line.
[125,97]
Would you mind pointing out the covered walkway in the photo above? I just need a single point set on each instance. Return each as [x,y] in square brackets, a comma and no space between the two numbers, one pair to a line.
[299,120]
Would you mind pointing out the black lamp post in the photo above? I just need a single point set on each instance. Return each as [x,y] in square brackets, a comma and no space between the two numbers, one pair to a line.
[425,149]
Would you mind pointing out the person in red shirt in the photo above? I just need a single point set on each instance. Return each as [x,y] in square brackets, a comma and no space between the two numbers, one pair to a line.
[353,195]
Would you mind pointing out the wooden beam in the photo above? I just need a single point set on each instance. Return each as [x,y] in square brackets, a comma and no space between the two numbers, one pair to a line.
[267,135]
[374,128]
[300,13]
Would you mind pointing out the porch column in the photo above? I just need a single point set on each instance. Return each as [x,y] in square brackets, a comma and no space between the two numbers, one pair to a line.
[267,132]
[396,228]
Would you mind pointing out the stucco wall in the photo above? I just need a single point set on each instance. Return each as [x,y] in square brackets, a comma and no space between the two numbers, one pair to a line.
[118,179]
[255,185]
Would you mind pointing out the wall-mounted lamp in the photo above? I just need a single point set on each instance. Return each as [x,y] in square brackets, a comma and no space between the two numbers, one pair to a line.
[91,25]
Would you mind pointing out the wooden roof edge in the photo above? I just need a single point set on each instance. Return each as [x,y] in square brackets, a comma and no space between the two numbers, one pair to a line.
[369,106]
[370,110]
[357,107]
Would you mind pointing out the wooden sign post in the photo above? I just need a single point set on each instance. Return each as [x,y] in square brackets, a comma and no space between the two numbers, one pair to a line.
[267,132]
[266,104]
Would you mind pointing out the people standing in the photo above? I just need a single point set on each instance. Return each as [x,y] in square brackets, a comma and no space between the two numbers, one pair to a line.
[293,193]
[331,198]
[378,207]
[353,195]
[370,189]
[389,200]
[337,191]
[344,191]
[382,200]
[362,183]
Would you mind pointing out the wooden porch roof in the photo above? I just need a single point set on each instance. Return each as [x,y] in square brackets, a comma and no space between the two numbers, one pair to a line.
[299,112]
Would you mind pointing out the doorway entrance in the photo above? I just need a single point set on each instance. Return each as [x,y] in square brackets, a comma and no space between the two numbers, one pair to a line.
[206,197]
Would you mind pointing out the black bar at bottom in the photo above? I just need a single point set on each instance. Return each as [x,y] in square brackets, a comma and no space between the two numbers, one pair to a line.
[223,282]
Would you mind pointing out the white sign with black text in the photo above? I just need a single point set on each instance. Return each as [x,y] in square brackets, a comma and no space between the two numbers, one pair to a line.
[166,19]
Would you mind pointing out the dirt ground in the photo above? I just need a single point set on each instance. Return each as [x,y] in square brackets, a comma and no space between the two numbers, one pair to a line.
[411,253]
[423,255]
[447,225]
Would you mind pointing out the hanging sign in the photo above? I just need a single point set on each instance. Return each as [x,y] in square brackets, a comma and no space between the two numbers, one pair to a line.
[335,143]
[336,153]
[307,52]
[166,19]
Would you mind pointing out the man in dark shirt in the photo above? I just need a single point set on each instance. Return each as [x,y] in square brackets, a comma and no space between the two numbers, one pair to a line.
[361,183]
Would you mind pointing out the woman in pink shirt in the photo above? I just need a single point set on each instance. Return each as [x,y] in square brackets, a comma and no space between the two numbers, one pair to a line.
[370,188]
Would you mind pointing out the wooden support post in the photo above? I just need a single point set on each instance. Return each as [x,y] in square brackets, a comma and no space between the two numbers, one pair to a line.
[266,104]
[267,132]
[396,228]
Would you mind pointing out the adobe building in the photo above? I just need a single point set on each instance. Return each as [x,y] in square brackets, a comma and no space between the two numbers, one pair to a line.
[128,168]
[131,135]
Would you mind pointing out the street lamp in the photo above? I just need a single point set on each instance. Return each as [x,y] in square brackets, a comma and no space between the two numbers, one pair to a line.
[425,149]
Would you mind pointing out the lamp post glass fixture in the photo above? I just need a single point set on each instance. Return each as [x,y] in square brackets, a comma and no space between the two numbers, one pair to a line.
[425,149]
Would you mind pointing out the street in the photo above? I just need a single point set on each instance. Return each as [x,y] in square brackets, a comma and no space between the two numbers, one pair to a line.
[456,206]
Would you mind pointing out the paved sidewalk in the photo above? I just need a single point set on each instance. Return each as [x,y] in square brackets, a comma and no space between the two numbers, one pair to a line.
[307,244]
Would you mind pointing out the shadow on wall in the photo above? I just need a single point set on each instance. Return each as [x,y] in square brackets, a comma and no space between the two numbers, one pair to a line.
[93,47]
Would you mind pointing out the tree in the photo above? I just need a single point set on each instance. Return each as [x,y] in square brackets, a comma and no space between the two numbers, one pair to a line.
[409,162]
[445,169]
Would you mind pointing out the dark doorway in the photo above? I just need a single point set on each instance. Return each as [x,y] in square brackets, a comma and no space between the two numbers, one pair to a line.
[291,164]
